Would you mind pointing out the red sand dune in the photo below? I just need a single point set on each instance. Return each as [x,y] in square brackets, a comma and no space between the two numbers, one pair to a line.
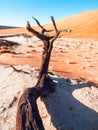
[83,25]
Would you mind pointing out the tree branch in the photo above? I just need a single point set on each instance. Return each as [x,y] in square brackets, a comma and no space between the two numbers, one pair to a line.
[54,24]
[43,29]
[39,24]
[34,32]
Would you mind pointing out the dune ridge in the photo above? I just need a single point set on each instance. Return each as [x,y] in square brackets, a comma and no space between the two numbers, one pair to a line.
[83,25]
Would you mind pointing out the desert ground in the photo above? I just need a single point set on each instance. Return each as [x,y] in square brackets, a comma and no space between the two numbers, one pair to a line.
[74,105]
[75,58]
[73,67]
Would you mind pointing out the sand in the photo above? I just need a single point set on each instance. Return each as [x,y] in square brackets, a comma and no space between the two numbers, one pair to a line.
[83,25]
[76,58]
[73,105]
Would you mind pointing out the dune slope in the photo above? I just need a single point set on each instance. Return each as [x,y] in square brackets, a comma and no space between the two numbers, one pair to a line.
[83,25]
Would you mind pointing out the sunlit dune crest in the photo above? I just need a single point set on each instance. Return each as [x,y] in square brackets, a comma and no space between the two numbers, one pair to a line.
[83,25]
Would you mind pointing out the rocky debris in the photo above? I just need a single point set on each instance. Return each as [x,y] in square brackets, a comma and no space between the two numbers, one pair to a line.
[4,42]
[7,46]
[73,106]
[20,44]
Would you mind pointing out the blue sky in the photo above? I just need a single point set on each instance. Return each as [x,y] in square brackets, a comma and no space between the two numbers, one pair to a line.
[17,12]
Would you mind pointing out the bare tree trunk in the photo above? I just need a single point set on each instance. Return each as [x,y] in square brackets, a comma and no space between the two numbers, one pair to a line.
[28,117]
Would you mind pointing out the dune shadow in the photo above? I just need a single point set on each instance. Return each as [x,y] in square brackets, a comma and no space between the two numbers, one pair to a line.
[67,112]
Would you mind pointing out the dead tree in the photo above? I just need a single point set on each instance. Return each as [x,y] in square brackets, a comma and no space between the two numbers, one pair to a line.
[28,117]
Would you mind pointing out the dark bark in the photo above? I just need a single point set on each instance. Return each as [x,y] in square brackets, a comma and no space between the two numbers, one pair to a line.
[28,117]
